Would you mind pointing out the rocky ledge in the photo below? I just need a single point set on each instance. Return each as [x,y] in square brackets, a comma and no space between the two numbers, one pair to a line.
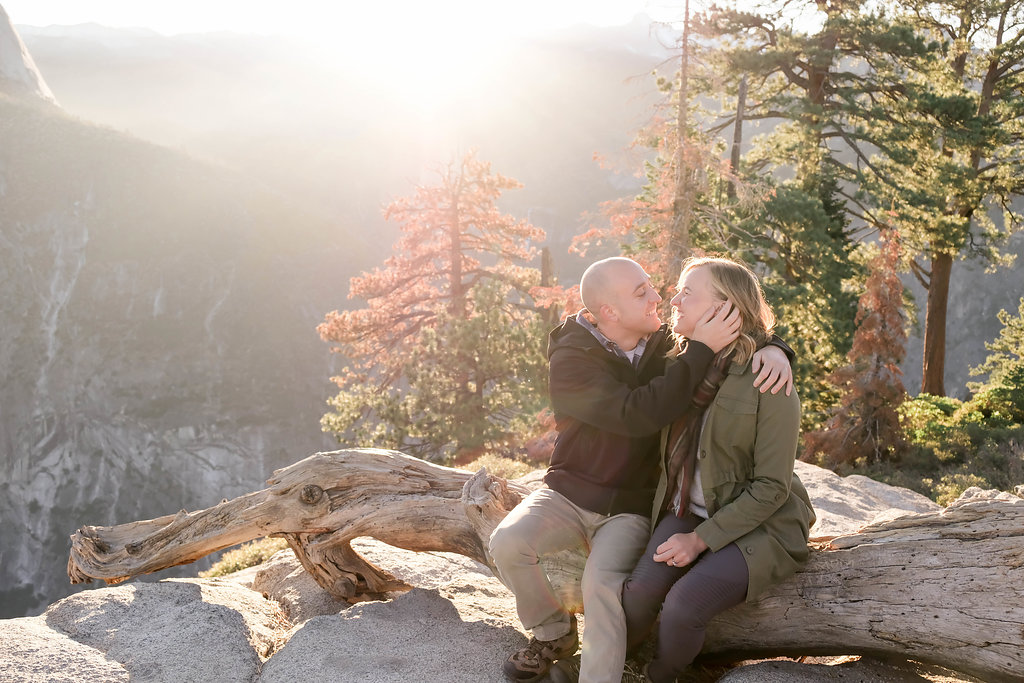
[274,623]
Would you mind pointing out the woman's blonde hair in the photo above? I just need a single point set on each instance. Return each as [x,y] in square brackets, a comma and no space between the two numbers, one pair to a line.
[736,282]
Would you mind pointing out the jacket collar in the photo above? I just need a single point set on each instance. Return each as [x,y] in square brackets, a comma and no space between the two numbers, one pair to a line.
[570,332]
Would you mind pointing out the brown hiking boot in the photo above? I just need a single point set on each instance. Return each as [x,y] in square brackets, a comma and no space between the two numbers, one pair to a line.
[534,660]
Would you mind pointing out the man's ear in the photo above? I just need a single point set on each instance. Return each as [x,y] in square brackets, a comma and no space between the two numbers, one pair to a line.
[607,312]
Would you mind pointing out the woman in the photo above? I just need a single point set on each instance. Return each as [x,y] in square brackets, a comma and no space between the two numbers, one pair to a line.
[731,516]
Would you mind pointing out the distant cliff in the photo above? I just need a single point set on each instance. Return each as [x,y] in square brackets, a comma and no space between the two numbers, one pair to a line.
[158,347]
[19,76]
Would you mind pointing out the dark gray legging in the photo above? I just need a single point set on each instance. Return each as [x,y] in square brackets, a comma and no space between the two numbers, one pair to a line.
[688,598]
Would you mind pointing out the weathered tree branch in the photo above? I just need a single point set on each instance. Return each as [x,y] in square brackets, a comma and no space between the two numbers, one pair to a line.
[319,505]
[945,587]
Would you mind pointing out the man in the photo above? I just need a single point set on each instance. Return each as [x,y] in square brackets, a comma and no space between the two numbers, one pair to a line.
[611,395]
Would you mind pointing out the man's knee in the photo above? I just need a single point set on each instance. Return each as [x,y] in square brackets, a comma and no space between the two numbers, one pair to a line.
[509,541]
[497,545]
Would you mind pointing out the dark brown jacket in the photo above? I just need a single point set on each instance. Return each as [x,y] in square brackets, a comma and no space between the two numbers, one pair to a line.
[609,416]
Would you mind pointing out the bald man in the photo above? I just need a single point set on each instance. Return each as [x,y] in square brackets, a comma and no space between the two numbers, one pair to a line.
[611,395]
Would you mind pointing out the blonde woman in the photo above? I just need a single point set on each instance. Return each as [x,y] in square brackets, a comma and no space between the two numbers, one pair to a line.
[731,516]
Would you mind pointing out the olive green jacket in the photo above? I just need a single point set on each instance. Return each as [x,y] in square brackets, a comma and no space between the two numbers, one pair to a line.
[753,497]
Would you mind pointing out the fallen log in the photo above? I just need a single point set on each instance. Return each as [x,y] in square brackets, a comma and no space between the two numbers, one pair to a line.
[318,505]
[944,587]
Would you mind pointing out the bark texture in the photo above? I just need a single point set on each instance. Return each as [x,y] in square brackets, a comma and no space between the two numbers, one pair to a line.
[945,587]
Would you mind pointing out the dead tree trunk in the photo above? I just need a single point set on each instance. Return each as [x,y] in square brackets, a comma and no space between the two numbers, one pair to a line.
[945,587]
[319,505]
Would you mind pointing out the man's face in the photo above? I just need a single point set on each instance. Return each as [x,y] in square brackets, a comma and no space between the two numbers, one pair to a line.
[692,301]
[636,301]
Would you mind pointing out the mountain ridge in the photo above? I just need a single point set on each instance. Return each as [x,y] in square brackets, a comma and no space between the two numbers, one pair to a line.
[19,75]
[160,345]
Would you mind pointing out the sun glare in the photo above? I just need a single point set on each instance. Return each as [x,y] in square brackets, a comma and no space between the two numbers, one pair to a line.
[425,53]
[428,50]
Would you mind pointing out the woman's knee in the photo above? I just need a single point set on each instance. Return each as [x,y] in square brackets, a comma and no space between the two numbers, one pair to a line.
[697,599]
[641,603]
[642,599]
[636,591]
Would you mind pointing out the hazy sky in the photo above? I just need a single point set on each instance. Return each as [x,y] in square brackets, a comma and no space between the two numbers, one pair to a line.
[426,42]
[323,16]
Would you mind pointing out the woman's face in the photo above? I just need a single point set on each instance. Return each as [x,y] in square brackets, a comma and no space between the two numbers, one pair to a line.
[693,299]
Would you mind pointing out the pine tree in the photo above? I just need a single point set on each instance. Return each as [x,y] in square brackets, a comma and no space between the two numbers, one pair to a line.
[671,217]
[447,356]
[793,231]
[919,104]
[1007,350]
[1003,390]
[865,428]
[948,134]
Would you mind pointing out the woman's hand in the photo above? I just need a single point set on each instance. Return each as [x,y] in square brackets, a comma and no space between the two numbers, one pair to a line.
[775,370]
[680,549]
[718,327]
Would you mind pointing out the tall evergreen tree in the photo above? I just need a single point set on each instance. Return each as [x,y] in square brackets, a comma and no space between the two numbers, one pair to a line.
[446,358]
[948,166]
[865,428]
[778,206]
[919,104]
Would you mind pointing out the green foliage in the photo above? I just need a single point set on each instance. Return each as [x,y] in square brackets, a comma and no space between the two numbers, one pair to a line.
[244,556]
[979,442]
[1000,399]
[954,445]
[473,385]
[1007,350]
[951,485]
[809,278]
[956,428]
[1000,404]
[926,417]
[992,460]
[446,359]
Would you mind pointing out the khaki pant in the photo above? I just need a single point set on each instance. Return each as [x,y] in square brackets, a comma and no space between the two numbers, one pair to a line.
[547,522]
